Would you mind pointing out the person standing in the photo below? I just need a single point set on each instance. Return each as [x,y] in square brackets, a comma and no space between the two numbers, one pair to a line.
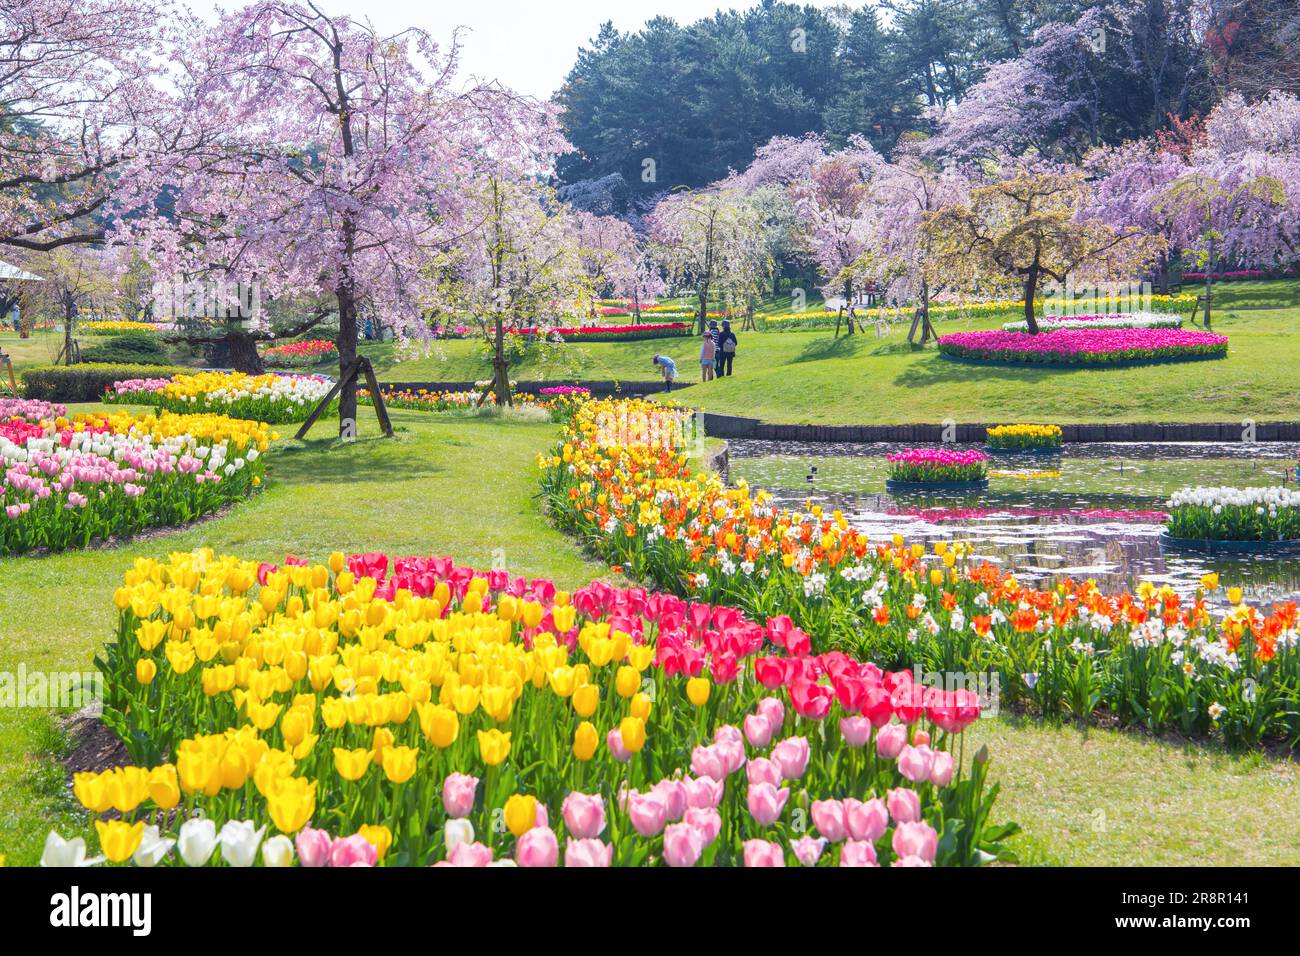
[726,349]
[708,356]
[669,369]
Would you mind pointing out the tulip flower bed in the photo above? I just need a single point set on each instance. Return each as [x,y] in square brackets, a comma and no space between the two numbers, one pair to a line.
[937,466]
[29,410]
[1235,514]
[355,714]
[620,480]
[1084,346]
[66,484]
[559,407]
[273,399]
[611,333]
[1024,437]
[1053,322]
[307,352]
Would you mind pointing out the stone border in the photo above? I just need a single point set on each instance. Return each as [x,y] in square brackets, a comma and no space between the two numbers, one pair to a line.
[732,426]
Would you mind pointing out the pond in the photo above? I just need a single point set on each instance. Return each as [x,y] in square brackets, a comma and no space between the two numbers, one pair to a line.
[1091,511]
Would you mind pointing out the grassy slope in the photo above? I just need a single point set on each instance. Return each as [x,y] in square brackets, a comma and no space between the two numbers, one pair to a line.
[814,377]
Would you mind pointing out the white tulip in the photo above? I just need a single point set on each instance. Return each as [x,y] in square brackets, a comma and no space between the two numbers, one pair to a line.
[153,847]
[59,852]
[239,842]
[457,832]
[278,851]
[198,838]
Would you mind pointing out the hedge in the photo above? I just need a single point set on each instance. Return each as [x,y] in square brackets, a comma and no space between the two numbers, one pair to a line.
[86,382]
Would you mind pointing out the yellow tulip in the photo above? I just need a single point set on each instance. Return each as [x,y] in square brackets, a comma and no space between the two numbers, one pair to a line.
[439,724]
[1210,581]
[585,741]
[697,691]
[352,764]
[119,839]
[164,789]
[145,670]
[632,730]
[585,700]
[627,681]
[521,814]
[641,706]
[399,763]
[292,803]
[91,790]
[493,746]
[378,836]
[1234,595]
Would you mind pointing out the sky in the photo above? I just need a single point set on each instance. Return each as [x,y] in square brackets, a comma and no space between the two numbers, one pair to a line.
[528,45]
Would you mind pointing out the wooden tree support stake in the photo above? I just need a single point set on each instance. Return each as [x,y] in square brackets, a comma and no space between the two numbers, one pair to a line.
[360,366]
[921,320]
[12,387]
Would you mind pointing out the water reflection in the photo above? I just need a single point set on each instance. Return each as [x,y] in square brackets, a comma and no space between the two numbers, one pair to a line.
[1093,511]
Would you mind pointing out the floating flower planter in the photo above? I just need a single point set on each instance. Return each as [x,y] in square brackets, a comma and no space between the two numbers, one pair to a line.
[1234,520]
[1024,439]
[937,469]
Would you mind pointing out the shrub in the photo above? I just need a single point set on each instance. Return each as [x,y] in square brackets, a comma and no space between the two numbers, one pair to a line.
[86,382]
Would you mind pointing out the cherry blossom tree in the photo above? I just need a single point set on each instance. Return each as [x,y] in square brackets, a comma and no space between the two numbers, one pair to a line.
[79,101]
[521,265]
[711,239]
[616,260]
[345,168]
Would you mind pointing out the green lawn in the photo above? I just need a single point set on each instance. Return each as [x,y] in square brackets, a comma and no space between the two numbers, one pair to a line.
[817,378]
[464,487]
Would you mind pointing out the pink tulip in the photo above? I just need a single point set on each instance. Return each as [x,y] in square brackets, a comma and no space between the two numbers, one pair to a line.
[313,847]
[828,818]
[866,820]
[856,731]
[537,847]
[728,734]
[583,815]
[762,853]
[911,861]
[703,791]
[762,770]
[891,740]
[708,761]
[474,855]
[904,805]
[648,812]
[916,839]
[773,710]
[758,731]
[674,794]
[942,771]
[706,820]
[683,845]
[354,850]
[808,850]
[732,753]
[915,763]
[766,802]
[589,853]
[614,741]
[858,853]
[458,794]
[791,755]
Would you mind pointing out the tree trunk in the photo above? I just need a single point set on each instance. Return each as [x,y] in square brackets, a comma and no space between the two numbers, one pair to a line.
[704,308]
[243,353]
[69,312]
[347,346]
[848,304]
[500,367]
[1031,288]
